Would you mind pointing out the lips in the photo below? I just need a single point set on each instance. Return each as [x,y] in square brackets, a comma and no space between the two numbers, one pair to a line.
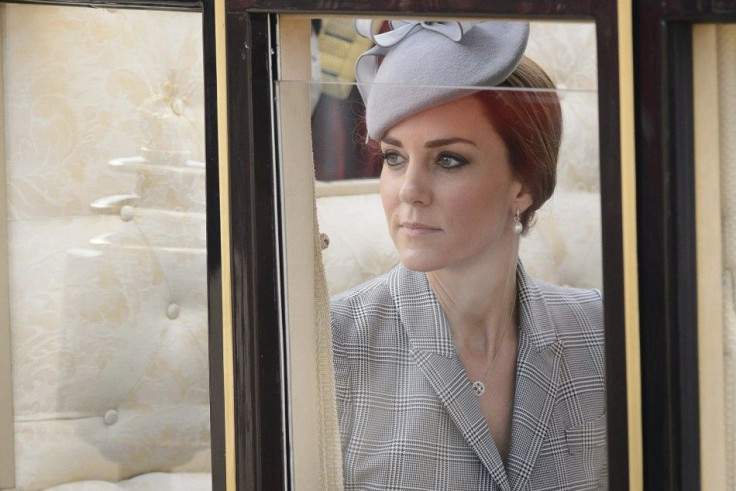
[416,228]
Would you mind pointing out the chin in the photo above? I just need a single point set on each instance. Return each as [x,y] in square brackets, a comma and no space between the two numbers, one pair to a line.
[423,263]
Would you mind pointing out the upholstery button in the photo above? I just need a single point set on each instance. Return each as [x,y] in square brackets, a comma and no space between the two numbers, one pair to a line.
[111,417]
[127,213]
[172,311]
[177,106]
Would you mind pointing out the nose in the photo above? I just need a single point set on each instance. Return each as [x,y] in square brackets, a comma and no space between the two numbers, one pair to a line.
[416,186]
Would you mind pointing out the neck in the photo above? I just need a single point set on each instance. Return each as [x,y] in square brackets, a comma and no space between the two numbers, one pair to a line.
[478,300]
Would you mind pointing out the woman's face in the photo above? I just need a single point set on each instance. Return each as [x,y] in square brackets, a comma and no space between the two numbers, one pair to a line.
[447,188]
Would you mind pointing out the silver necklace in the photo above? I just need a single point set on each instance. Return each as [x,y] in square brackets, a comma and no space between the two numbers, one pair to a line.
[478,386]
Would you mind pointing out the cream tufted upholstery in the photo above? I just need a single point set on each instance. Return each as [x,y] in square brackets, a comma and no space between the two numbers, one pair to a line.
[107,253]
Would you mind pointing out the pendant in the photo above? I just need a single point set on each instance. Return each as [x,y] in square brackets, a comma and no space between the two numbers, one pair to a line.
[479,388]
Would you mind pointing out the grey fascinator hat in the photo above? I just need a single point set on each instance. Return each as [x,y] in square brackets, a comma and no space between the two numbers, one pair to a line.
[418,65]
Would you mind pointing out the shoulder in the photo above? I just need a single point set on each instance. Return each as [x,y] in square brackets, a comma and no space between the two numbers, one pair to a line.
[362,309]
[360,300]
[573,309]
[566,297]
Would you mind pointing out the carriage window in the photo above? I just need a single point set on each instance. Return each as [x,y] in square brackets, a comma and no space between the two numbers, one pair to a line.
[105,196]
[322,123]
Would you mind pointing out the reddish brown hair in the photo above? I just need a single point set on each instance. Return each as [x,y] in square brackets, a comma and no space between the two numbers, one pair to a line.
[530,124]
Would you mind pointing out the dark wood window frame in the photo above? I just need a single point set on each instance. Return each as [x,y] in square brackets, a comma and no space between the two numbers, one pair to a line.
[260,384]
[666,245]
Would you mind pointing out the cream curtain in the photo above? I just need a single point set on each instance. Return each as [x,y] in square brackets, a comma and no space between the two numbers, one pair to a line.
[330,452]
[726,42]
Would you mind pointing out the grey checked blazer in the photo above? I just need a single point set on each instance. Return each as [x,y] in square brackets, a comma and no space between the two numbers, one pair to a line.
[408,416]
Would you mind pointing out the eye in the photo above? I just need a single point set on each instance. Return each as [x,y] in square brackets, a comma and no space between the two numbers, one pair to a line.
[392,159]
[450,161]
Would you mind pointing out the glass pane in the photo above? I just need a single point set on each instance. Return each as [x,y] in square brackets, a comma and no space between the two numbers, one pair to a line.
[562,247]
[569,59]
[104,129]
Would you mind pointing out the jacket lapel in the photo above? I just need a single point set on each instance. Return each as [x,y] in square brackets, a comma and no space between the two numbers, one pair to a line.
[537,374]
[537,379]
[434,352]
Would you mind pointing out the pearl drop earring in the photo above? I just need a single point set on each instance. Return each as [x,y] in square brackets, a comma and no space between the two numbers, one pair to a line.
[518,227]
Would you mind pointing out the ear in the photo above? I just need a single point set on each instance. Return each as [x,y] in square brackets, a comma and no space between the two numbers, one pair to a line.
[522,200]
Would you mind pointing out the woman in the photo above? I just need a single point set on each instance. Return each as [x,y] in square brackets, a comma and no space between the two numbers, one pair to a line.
[456,370]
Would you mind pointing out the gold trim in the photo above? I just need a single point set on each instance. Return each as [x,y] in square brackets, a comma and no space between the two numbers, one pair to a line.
[628,213]
[224,186]
[708,244]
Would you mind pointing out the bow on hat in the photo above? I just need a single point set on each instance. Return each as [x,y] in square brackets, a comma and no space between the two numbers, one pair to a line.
[402,28]
[367,65]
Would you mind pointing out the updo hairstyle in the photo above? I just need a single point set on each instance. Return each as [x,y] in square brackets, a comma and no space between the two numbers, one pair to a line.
[530,124]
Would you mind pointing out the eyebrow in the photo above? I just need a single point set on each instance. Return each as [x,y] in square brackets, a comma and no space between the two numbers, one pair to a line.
[432,143]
